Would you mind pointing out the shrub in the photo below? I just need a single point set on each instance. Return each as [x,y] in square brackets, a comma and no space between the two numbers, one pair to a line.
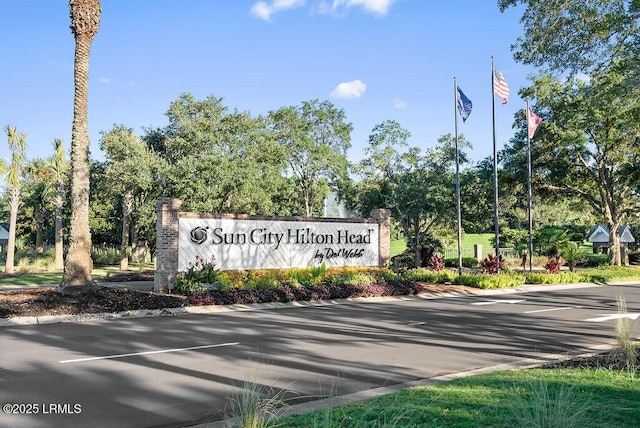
[426,275]
[487,281]
[572,254]
[468,262]
[261,279]
[403,261]
[436,263]
[351,275]
[491,264]
[200,276]
[105,256]
[557,278]
[553,265]
[594,260]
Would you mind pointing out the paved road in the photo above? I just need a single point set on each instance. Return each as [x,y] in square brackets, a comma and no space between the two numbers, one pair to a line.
[175,371]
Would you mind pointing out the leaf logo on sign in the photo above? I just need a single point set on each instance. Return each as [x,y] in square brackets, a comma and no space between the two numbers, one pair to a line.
[199,235]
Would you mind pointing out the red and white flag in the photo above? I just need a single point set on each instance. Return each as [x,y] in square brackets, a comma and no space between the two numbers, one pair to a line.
[533,120]
[500,87]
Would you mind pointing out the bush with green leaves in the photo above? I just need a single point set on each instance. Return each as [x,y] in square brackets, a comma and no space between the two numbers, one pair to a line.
[490,281]
[105,256]
[555,278]
[572,255]
[258,279]
[468,262]
[402,261]
[594,260]
[200,276]
[427,275]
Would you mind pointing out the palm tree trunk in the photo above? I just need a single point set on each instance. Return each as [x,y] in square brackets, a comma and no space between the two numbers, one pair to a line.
[59,246]
[85,21]
[13,217]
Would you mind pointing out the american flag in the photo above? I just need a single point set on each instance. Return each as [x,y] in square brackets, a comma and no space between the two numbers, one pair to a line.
[500,87]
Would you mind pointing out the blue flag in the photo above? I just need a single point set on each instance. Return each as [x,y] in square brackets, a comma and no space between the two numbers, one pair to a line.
[464,104]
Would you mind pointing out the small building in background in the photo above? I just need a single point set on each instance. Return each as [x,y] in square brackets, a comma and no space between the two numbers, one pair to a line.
[599,238]
[4,239]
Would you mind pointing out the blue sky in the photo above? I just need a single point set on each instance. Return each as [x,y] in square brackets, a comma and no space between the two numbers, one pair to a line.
[376,59]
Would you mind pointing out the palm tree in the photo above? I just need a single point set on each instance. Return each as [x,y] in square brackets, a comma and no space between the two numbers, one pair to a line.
[60,168]
[18,147]
[40,190]
[85,21]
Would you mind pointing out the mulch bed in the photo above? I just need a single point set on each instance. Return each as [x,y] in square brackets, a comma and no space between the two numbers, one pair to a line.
[47,301]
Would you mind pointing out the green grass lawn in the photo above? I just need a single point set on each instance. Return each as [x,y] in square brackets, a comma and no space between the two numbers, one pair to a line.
[53,278]
[397,246]
[536,397]
[468,241]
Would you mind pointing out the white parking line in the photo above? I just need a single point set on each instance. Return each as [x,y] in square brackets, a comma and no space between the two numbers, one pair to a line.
[496,302]
[552,309]
[604,317]
[161,351]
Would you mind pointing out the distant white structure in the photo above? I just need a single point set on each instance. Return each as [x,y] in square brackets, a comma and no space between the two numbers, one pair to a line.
[4,238]
[336,209]
[599,237]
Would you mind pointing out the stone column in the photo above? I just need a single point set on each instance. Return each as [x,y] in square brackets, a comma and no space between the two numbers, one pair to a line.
[167,227]
[477,252]
[383,217]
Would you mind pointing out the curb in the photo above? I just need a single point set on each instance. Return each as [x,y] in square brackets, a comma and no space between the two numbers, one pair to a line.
[524,363]
[216,309]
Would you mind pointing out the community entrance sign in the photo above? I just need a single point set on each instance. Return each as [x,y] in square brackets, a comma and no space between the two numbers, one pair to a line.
[242,242]
[273,244]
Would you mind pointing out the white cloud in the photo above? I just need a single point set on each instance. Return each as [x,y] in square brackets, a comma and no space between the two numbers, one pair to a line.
[583,77]
[263,10]
[377,7]
[104,80]
[399,103]
[347,90]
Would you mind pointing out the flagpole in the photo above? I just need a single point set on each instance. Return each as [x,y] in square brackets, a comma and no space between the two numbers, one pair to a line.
[529,192]
[495,163]
[455,114]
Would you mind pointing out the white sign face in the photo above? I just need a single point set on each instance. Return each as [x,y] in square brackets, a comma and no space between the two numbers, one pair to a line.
[262,244]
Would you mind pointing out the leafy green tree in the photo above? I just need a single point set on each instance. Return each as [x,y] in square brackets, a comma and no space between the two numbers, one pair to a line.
[315,137]
[14,178]
[579,35]
[40,188]
[476,196]
[129,168]
[594,121]
[418,188]
[589,146]
[216,160]
[104,208]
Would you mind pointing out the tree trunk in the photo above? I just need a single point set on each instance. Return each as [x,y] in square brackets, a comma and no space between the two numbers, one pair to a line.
[127,207]
[59,246]
[13,216]
[417,246]
[614,245]
[85,21]
[39,219]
